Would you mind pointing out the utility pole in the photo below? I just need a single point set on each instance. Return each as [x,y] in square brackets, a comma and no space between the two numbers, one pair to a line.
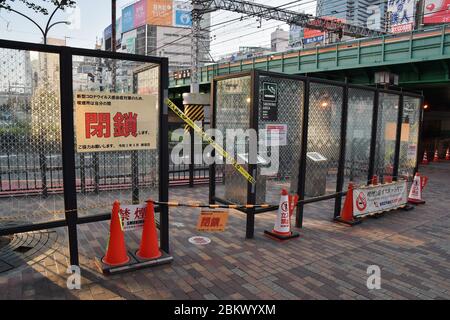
[113,25]
[195,41]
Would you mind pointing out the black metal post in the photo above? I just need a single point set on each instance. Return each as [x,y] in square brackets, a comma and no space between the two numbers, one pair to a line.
[43,166]
[302,160]
[135,176]
[164,155]
[373,139]
[212,167]
[82,173]
[96,164]
[341,165]
[192,158]
[252,166]
[68,151]
[419,138]
[398,138]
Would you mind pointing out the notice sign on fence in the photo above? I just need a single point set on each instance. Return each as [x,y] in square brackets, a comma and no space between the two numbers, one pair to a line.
[115,122]
[379,198]
[132,216]
[212,221]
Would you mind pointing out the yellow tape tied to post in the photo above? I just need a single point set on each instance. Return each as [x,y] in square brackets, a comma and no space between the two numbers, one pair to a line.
[210,141]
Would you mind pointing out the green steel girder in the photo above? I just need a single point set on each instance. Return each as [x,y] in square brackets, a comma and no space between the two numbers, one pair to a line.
[392,52]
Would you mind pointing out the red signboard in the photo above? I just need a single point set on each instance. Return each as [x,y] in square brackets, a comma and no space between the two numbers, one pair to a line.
[436,11]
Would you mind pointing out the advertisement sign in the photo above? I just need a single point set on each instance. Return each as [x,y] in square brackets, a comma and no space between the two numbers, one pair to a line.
[119,31]
[132,216]
[212,221]
[402,13]
[295,35]
[276,135]
[128,18]
[436,11]
[140,13]
[160,12]
[115,122]
[128,44]
[182,16]
[379,198]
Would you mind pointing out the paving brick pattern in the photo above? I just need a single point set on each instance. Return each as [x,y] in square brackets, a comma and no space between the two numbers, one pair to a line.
[328,261]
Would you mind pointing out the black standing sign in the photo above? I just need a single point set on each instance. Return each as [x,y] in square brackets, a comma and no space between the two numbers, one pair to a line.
[269,102]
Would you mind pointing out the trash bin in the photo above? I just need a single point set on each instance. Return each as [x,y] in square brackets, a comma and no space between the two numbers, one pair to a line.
[316,174]
[236,184]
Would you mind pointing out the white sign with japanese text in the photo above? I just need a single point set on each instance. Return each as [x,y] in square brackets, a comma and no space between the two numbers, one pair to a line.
[115,122]
[402,15]
[379,198]
[132,216]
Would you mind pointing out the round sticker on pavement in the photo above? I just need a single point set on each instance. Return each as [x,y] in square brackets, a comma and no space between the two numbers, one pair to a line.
[197,240]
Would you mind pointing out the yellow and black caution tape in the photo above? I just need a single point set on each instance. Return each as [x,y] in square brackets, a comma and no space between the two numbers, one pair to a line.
[210,140]
[212,206]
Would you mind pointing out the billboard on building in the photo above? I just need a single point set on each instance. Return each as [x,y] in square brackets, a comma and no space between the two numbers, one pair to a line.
[295,35]
[436,11]
[402,15]
[140,13]
[182,16]
[160,12]
[107,33]
[314,35]
[128,18]
[128,44]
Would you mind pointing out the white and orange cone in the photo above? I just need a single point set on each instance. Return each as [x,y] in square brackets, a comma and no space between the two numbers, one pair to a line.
[415,194]
[282,227]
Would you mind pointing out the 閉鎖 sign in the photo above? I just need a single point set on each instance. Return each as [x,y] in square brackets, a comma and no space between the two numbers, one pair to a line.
[379,198]
[212,221]
[115,122]
[132,216]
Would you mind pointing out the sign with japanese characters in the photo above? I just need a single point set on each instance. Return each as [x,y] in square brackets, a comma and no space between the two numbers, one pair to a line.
[212,221]
[132,216]
[374,199]
[402,15]
[276,135]
[115,122]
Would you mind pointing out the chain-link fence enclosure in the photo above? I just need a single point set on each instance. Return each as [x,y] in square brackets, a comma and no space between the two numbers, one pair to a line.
[327,134]
[31,182]
[75,136]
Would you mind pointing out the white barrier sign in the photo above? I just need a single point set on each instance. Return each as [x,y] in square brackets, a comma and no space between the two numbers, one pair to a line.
[379,198]
[132,216]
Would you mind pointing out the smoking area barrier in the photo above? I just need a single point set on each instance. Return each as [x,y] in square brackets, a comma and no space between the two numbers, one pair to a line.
[328,134]
[90,127]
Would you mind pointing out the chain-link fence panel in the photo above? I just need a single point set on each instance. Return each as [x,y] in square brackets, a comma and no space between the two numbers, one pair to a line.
[386,134]
[409,136]
[31,183]
[233,98]
[359,135]
[131,175]
[324,135]
[280,136]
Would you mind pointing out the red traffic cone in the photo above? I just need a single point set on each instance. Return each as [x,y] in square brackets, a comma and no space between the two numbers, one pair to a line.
[436,156]
[388,179]
[447,155]
[149,241]
[116,254]
[415,194]
[425,158]
[374,180]
[347,211]
[282,227]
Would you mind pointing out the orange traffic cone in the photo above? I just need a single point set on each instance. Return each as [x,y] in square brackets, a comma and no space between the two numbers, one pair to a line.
[447,155]
[149,241]
[436,156]
[415,194]
[347,211]
[388,179]
[374,180]
[425,158]
[116,254]
[282,227]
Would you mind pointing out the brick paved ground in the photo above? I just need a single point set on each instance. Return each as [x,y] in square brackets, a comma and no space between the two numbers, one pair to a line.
[328,261]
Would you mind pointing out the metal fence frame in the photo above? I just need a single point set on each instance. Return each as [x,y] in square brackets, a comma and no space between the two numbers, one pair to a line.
[68,142]
[253,123]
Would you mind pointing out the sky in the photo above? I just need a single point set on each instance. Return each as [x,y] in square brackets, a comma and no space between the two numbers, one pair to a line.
[95,16]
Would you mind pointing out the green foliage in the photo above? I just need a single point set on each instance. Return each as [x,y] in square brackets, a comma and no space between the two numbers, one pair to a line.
[39,8]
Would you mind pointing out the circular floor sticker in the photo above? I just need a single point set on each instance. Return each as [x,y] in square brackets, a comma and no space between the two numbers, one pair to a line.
[198,240]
